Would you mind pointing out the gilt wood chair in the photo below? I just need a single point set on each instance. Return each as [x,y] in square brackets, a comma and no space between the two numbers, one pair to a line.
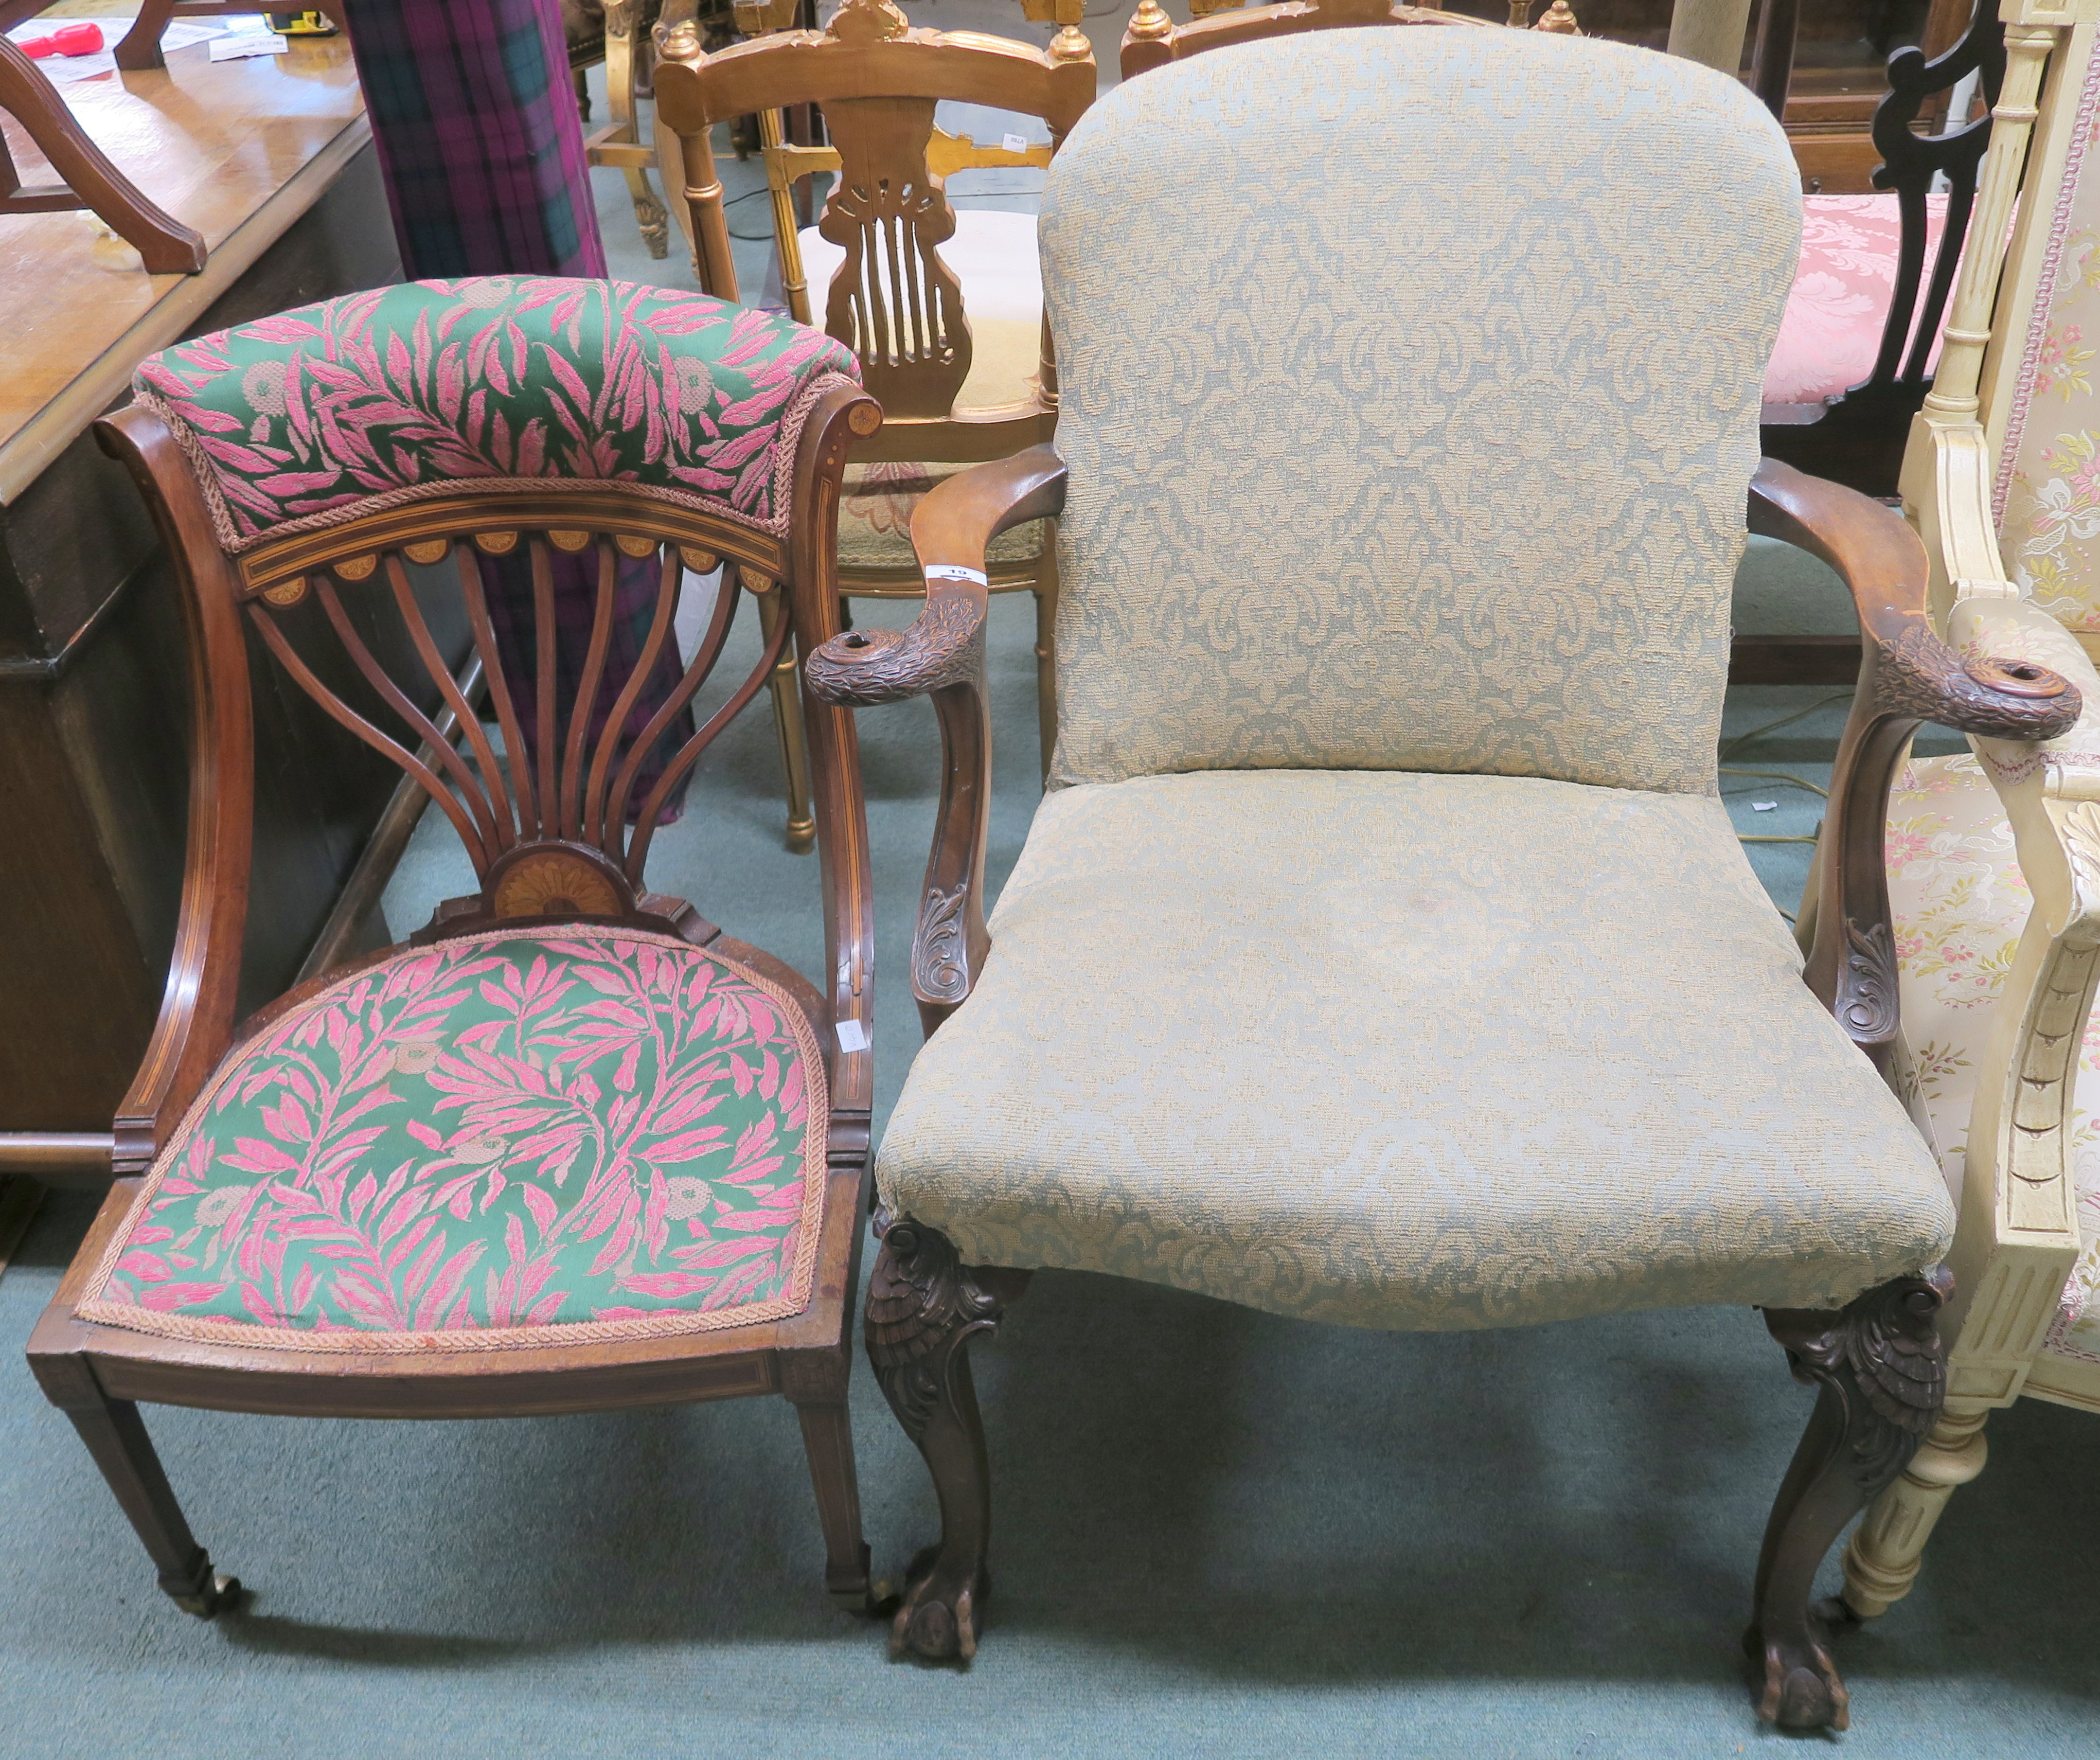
[571,1148]
[1381,510]
[960,360]
[1994,857]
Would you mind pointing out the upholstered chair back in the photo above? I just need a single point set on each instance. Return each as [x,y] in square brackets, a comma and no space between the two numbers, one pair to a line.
[1432,454]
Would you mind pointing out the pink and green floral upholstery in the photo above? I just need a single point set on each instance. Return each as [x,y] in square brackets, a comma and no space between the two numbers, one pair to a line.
[314,417]
[507,1140]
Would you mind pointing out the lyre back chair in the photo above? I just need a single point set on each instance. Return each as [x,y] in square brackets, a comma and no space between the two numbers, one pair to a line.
[570,1148]
[958,381]
[1435,539]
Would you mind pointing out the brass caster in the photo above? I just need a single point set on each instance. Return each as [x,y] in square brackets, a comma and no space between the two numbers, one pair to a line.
[221,1594]
[801,837]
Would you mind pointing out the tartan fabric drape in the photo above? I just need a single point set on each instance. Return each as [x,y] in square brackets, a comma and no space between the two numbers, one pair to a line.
[481,146]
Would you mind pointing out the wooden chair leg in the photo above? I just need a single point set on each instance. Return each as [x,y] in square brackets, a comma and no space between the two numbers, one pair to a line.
[116,1436]
[827,1441]
[626,70]
[1881,1562]
[788,721]
[923,1307]
[1880,1373]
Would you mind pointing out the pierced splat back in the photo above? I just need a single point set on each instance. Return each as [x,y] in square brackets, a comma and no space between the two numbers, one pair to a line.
[546,823]
[893,301]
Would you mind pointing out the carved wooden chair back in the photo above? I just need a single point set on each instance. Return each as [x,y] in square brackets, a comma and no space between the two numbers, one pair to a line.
[1857,439]
[893,300]
[449,437]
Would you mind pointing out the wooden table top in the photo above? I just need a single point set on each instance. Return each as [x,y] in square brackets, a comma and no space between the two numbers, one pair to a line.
[238,149]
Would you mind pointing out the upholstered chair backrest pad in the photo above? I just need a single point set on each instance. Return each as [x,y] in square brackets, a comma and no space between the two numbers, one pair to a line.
[1409,394]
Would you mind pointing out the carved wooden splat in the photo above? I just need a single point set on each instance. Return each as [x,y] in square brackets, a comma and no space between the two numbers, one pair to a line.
[893,298]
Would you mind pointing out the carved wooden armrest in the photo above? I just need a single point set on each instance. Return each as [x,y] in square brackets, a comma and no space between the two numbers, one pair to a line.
[1907,675]
[941,656]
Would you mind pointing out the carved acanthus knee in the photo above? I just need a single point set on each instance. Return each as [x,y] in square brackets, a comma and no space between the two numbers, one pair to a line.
[1882,1562]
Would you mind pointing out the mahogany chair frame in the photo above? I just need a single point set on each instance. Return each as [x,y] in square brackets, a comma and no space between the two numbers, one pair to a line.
[566,833]
[164,245]
[1153,39]
[875,82]
[1876,1365]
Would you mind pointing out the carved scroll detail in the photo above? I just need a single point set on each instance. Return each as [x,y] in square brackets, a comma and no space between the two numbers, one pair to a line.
[941,972]
[1922,676]
[1883,1357]
[864,667]
[1867,993]
[922,1307]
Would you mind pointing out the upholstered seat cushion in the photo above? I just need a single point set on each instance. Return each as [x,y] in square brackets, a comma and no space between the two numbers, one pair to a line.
[1832,328]
[511,1139]
[1960,903]
[874,520]
[1407,1050]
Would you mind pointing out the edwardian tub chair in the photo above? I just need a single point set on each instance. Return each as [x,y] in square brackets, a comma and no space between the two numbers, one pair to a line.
[1381,954]
[1994,857]
[942,307]
[571,1148]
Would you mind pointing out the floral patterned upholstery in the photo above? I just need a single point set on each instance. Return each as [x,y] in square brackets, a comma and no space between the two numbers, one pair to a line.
[507,1140]
[1960,903]
[1832,328]
[314,417]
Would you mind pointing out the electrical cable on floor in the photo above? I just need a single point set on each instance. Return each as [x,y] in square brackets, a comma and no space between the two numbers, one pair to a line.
[1730,747]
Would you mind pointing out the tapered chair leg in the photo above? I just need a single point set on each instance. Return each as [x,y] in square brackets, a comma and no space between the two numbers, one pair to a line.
[787,722]
[1882,1562]
[923,1307]
[816,1382]
[116,1436]
[1880,1373]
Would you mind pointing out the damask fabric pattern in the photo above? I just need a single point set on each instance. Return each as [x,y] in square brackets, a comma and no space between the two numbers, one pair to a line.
[311,417]
[1407,1050]
[510,1139]
[1426,452]
[2047,486]
[1960,903]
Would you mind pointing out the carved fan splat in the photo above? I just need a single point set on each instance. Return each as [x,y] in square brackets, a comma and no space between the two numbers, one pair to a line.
[893,299]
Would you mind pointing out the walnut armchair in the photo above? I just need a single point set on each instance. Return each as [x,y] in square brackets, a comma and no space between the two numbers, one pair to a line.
[570,1148]
[1362,536]
[942,307]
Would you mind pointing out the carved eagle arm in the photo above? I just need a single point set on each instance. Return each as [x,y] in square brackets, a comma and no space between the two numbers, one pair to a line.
[941,654]
[1907,675]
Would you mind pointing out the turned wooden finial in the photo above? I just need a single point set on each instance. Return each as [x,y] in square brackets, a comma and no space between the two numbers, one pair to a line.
[863,21]
[1149,22]
[1558,21]
[1070,42]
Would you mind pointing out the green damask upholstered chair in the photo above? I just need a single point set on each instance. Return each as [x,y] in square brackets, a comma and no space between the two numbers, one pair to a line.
[1381,954]
[571,1148]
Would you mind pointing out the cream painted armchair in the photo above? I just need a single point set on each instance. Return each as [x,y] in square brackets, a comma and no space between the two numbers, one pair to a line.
[1381,954]
[1994,857]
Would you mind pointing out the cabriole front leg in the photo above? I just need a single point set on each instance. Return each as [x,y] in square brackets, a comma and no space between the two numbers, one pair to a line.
[923,1307]
[1880,1373]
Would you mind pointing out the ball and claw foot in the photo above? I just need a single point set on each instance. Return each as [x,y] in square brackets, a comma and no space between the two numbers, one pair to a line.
[937,1620]
[1802,1689]
[215,1593]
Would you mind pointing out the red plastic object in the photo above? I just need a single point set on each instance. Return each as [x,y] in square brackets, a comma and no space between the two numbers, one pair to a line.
[36,48]
[78,39]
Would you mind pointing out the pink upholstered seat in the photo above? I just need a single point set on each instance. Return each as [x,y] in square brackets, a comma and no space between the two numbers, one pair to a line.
[1832,328]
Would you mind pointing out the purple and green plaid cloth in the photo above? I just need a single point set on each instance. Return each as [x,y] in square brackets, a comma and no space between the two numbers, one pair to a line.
[474,119]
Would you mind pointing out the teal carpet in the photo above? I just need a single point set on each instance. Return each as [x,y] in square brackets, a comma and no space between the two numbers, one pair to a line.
[1217,1532]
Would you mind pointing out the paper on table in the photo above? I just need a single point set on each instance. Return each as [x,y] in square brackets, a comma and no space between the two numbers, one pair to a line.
[61,69]
[237,48]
